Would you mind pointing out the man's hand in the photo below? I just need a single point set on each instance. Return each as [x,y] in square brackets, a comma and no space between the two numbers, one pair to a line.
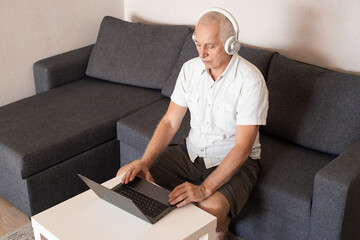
[133,169]
[187,192]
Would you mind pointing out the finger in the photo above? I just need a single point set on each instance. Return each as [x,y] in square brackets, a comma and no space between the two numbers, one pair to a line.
[184,202]
[148,176]
[118,172]
[175,195]
[177,190]
[151,179]
[125,179]
[178,199]
[178,194]
[133,175]
[128,175]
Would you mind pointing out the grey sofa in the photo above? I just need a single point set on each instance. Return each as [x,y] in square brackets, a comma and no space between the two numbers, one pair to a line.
[97,107]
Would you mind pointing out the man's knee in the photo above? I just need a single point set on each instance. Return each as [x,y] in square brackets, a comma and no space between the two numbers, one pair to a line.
[216,204]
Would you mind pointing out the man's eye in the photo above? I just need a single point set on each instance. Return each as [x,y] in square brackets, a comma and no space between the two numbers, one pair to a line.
[211,46]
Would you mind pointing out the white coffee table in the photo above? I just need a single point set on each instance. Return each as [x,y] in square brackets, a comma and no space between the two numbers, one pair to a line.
[86,216]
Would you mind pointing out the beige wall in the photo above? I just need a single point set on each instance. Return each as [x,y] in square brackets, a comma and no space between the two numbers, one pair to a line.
[321,32]
[34,29]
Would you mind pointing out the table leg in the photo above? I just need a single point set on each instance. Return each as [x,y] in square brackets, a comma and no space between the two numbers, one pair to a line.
[209,236]
[37,234]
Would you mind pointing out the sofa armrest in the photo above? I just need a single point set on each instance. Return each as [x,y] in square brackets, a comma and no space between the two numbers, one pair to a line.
[335,210]
[61,69]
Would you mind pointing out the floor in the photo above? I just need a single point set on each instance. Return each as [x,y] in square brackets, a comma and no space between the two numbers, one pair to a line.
[10,217]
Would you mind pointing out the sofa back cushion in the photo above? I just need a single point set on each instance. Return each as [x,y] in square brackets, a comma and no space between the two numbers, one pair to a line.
[311,106]
[187,52]
[260,58]
[135,53]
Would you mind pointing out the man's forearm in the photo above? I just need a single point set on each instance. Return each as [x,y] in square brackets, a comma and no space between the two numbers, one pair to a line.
[228,167]
[160,139]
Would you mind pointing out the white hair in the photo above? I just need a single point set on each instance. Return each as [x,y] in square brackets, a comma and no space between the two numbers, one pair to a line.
[226,28]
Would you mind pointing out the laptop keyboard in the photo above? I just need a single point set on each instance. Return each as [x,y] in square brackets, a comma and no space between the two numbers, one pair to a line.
[150,207]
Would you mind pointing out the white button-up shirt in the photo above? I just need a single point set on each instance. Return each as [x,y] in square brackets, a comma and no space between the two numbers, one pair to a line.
[238,97]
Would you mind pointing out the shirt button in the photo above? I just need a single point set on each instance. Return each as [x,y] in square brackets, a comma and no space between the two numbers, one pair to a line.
[206,136]
[209,105]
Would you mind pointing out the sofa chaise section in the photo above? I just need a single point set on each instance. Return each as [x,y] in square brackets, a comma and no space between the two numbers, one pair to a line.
[45,130]
[69,127]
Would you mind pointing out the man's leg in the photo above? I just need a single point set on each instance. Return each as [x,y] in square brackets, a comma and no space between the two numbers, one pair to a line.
[174,167]
[217,205]
[228,201]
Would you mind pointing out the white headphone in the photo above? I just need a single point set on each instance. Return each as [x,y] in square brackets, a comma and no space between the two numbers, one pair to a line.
[232,44]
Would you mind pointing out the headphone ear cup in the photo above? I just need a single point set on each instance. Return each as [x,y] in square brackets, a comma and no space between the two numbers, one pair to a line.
[236,46]
[228,45]
[193,36]
[231,45]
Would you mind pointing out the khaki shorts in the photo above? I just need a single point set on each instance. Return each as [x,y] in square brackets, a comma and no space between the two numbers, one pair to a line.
[174,167]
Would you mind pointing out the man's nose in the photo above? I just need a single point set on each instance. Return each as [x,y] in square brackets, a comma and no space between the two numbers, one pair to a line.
[203,53]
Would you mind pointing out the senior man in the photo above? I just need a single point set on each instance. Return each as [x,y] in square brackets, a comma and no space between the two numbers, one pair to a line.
[217,165]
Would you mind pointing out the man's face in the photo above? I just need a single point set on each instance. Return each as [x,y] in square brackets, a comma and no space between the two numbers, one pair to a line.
[210,48]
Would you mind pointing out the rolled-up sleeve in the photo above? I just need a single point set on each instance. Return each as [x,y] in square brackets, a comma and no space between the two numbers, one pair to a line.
[253,104]
[178,95]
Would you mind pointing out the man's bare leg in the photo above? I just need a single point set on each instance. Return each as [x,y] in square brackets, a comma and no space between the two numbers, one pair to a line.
[218,206]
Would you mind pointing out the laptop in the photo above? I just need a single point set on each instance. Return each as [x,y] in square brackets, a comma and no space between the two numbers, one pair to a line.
[141,198]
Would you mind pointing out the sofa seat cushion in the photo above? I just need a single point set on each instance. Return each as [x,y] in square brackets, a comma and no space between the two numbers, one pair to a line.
[137,128]
[286,179]
[311,106]
[43,130]
[135,53]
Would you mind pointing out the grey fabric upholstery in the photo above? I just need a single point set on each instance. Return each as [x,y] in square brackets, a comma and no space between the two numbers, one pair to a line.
[43,130]
[305,190]
[61,69]
[336,198]
[286,182]
[60,182]
[135,53]
[255,222]
[284,190]
[260,58]
[313,107]
[128,153]
[187,52]
[135,132]
[99,163]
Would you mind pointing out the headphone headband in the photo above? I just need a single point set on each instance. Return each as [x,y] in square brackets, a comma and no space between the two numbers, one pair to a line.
[227,15]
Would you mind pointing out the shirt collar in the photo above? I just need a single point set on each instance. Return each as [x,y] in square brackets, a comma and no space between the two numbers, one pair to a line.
[230,70]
